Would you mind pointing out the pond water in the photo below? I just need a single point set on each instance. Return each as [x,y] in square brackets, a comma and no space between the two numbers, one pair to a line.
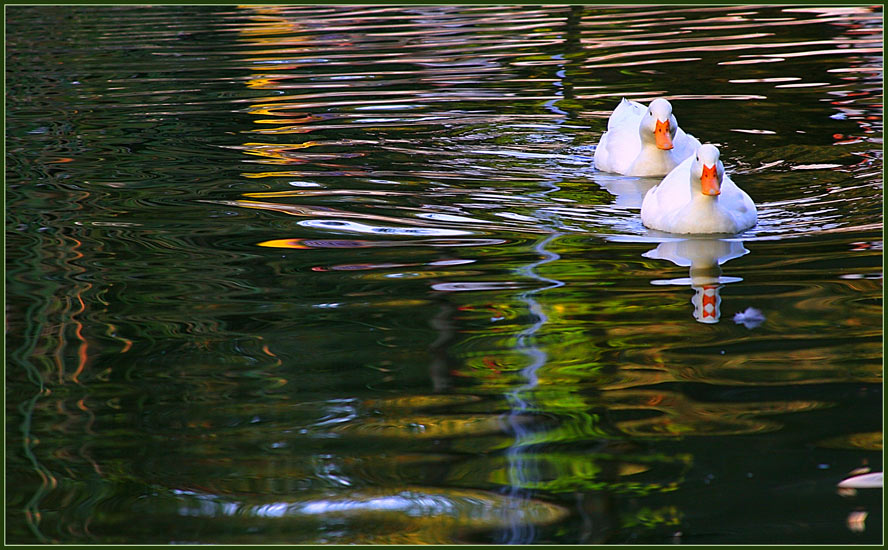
[320,274]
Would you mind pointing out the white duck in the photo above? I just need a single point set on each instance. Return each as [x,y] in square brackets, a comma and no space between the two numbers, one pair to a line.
[643,141]
[698,197]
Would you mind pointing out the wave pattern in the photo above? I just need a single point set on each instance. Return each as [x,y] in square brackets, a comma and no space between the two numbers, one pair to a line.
[346,274]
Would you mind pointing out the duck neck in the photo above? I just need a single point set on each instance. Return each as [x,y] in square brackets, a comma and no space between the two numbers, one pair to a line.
[699,199]
[653,160]
[705,200]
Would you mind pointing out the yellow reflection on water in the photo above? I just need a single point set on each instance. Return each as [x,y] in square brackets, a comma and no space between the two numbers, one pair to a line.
[674,414]
[870,441]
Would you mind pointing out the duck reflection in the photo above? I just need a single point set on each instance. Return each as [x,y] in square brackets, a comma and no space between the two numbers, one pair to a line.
[628,191]
[704,257]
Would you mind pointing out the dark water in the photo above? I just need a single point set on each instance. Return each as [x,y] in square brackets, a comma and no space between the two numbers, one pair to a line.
[347,275]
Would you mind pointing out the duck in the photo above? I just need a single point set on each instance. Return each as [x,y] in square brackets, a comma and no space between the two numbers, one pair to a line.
[698,197]
[643,141]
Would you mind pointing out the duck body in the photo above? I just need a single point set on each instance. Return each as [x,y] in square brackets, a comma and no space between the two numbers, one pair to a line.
[643,141]
[698,197]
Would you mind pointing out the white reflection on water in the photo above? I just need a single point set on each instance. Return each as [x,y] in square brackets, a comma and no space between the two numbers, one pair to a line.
[521,471]
[704,258]
[355,227]
[412,504]
[428,506]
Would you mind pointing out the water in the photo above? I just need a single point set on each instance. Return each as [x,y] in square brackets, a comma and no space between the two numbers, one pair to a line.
[347,275]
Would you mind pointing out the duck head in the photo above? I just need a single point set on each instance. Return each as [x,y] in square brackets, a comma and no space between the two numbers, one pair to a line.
[658,125]
[707,171]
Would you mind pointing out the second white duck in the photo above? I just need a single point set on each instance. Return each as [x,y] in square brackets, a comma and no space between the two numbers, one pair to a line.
[643,141]
[698,197]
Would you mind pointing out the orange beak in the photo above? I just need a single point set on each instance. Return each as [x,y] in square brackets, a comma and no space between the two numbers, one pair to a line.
[661,133]
[709,180]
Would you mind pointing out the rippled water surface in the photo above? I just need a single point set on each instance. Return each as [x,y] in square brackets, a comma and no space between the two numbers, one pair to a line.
[345,274]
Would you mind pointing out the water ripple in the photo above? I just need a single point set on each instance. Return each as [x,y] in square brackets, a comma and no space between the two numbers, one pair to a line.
[246,242]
